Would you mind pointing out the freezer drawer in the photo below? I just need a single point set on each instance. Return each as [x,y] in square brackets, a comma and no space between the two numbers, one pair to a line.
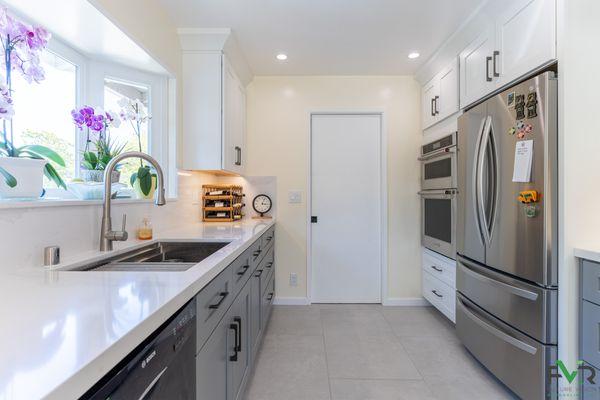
[520,362]
[529,308]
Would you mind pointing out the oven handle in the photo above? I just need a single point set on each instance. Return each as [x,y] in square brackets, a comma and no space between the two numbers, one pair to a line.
[439,194]
[438,153]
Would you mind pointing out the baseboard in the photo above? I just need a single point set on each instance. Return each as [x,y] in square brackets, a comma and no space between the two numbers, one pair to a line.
[291,301]
[406,301]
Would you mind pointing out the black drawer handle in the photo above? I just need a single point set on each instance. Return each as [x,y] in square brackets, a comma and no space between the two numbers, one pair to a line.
[257,253]
[235,329]
[269,264]
[436,293]
[270,296]
[437,269]
[269,238]
[223,296]
[258,273]
[238,340]
[245,269]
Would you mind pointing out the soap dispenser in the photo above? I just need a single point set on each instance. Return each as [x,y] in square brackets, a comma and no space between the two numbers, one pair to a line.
[145,230]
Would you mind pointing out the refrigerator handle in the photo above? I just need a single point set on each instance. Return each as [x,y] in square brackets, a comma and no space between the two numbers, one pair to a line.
[483,155]
[478,180]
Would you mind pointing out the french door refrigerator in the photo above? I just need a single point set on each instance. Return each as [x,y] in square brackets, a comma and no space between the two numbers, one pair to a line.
[507,235]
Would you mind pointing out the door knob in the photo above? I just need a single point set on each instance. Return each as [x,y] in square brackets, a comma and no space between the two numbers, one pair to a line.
[314,219]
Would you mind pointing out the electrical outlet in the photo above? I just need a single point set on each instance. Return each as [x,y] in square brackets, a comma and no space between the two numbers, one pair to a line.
[294,279]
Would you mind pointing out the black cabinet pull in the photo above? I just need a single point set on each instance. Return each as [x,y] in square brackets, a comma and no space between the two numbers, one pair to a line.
[435,107]
[436,293]
[270,296]
[432,109]
[234,328]
[269,264]
[238,340]
[437,269]
[496,54]
[223,296]
[258,273]
[269,238]
[238,155]
[245,269]
[487,69]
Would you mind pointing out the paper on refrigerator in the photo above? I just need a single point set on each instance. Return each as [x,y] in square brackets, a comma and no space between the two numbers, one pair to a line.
[523,161]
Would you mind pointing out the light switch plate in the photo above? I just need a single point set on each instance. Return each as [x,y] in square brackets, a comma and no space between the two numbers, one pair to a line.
[294,197]
[293,279]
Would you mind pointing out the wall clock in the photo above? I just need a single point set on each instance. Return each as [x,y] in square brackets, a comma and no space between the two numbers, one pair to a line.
[262,204]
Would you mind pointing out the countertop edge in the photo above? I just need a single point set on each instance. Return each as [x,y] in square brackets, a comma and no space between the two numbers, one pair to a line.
[86,377]
[587,254]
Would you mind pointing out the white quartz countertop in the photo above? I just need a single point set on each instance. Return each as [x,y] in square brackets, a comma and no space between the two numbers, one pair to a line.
[591,253]
[62,331]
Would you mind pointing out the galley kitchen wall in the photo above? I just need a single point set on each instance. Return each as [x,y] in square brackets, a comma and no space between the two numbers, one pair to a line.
[278,131]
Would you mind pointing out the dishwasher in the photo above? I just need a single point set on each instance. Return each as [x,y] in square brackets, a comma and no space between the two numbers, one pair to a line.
[163,367]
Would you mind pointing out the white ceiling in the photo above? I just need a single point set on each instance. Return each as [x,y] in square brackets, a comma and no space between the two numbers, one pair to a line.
[329,37]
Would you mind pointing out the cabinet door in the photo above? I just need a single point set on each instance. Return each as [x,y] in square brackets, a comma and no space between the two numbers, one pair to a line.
[211,365]
[525,38]
[447,103]
[428,97]
[239,365]
[231,151]
[255,316]
[476,75]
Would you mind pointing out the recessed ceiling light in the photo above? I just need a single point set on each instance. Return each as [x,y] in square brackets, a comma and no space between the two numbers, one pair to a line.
[282,57]
[413,55]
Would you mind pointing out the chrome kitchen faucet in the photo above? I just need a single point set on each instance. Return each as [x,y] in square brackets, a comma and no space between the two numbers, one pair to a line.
[107,235]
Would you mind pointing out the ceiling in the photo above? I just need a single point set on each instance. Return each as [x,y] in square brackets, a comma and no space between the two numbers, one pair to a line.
[329,37]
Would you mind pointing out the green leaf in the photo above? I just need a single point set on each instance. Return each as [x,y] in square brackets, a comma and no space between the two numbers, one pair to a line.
[53,175]
[87,165]
[133,178]
[43,152]
[90,160]
[10,180]
[145,178]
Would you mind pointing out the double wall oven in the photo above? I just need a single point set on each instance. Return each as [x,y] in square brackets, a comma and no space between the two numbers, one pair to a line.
[439,195]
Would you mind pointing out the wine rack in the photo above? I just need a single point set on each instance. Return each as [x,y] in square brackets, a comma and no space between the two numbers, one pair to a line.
[222,203]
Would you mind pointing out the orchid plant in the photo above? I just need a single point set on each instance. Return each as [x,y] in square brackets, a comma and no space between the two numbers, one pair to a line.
[23,45]
[98,123]
[134,111]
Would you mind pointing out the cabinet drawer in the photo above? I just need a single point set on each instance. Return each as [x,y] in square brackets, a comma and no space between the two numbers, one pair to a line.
[268,238]
[241,271]
[267,302]
[441,267]
[590,337]
[265,269]
[591,281]
[440,295]
[255,252]
[211,304]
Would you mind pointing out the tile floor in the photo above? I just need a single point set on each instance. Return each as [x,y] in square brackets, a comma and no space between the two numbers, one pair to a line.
[366,352]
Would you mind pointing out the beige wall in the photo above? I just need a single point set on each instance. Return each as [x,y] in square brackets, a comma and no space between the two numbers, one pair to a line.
[278,130]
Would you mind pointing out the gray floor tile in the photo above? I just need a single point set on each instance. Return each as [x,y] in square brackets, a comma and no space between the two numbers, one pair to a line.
[348,389]
[419,321]
[360,356]
[300,320]
[290,367]
[354,321]
[485,387]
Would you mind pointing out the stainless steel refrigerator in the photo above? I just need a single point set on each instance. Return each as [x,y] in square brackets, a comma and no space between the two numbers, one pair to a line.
[506,304]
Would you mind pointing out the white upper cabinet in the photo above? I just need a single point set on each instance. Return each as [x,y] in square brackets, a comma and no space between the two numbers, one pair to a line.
[439,96]
[521,39]
[525,38]
[214,102]
[214,114]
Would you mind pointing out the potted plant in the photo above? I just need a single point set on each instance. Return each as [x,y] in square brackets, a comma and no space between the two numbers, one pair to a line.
[99,147]
[144,180]
[22,168]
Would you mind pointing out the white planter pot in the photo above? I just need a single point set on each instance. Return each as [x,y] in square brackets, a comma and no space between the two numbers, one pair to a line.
[29,175]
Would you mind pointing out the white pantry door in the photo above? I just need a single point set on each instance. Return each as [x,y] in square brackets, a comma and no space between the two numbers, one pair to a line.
[346,200]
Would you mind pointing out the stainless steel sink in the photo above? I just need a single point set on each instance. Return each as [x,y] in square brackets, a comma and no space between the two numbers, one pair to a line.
[159,256]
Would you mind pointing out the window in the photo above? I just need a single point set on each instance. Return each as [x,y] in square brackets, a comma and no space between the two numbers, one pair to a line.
[43,111]
[116,93]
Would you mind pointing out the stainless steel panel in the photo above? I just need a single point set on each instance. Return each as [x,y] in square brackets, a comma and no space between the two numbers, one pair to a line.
[447,181]
[445,247]
[590,282]
[590,335]
[469,236]
[520,245]
[529,308]
[520,362]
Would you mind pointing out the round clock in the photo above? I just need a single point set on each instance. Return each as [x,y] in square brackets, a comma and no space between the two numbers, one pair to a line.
[262,204]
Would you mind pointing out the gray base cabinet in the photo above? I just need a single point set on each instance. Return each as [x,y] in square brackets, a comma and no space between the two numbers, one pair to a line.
[589,331]
[235,309]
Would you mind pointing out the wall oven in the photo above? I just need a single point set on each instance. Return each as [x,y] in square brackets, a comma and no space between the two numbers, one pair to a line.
[438,164]
[438,221]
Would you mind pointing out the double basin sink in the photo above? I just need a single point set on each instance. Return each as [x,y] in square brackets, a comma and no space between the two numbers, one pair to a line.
[158,256]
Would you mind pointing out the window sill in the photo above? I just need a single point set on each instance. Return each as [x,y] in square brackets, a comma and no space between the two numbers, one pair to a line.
[38,203]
